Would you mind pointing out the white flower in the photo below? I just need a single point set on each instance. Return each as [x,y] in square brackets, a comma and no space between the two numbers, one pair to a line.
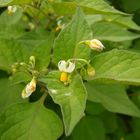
[29,89]
[60,25]
[95,44]
[12,9]
[67,67]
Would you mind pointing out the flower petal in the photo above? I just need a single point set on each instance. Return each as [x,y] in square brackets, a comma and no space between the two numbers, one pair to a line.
[12,9]
[25,94]
[30,87]
[9,8]
[70,67]
[62,65]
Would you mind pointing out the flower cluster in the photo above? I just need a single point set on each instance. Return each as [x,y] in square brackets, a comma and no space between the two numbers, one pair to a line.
[94,44]
[65,67]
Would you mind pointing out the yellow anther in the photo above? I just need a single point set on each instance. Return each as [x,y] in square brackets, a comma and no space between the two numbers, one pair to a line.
[10,13]
[64,77]
[58,28]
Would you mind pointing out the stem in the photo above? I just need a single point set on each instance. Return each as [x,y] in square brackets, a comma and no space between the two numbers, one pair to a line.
[37,9]
[29,69]
[35,18]
[49,20]
[79,59]
[43,86]
[79,43]
[43,97]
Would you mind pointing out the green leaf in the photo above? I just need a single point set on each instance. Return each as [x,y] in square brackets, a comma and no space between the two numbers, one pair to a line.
[112,32]
[89,7]
[65,46]
[40,12]
[72,98]
[93,108]
[131,136]
[11,52]
[64,8]
[130,6]
[39,44]
[124,21]
[30,121]
[5,2]
[120,45]
[136,45]
[112,97]
[35,38]
[21,2]
[12,19]
[19,50]
[14,2]
[110,121]
[42,52]
[10,26]
[119,66]
[20,77]
[136,127]
[9,95]
[13,31]
[93,18]
[99,6]
[90,128]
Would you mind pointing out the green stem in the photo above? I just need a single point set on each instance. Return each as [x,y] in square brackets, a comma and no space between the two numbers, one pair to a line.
[79,59]
[30,5]
[79,43]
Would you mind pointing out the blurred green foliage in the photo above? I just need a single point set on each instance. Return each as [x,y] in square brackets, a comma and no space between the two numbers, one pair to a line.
[103,107]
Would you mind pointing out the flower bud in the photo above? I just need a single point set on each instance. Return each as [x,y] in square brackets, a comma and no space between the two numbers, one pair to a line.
[95,44]
[32,60]
[31,25]
[22,64]
[29,89]
[14,70]
[91,71]
[24,94]
[15,67]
